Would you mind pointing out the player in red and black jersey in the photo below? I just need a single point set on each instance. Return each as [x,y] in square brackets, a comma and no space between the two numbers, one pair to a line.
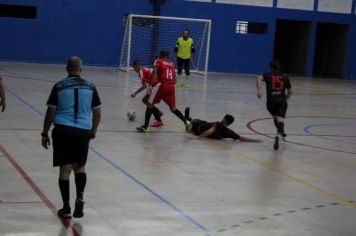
[215,130]
[164,71]
[145,76]
[278,90]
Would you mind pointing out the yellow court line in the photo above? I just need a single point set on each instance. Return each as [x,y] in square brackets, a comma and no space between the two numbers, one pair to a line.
[276,170]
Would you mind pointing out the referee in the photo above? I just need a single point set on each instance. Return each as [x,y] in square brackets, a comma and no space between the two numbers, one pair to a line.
[69,108]
[184,51]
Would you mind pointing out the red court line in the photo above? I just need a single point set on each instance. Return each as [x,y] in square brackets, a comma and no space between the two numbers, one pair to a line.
[249,126]
[38,191]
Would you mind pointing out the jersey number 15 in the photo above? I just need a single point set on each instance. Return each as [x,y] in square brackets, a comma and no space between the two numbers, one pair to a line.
[277,82]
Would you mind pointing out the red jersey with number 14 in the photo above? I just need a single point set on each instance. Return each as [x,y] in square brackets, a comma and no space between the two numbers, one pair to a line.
[165,71]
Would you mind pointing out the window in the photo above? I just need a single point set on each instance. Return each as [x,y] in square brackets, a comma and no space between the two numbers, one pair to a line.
[245,27]
[241,27]
[18,11]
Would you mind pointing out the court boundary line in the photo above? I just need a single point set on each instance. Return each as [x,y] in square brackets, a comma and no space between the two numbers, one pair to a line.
[23,77]
[127,174]
[277,170]
[310,133]
[38,191]
[249,126]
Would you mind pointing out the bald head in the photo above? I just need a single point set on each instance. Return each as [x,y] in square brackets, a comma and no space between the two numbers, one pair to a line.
[74,65]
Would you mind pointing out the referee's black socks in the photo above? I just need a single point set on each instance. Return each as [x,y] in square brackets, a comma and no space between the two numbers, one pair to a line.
[80,182]
[64,188]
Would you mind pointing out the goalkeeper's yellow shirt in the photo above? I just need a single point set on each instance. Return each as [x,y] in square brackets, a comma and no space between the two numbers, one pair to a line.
[184,48]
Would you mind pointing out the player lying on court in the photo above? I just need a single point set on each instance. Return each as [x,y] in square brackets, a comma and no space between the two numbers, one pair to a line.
[144,74]
[215,130]
[164,71]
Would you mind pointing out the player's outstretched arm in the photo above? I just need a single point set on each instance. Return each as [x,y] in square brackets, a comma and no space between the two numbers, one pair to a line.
[205,134]
[258,86]
[250,140]
[143,87]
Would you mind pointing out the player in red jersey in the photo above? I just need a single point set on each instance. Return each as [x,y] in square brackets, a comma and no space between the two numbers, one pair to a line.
[145,77]
[164,71]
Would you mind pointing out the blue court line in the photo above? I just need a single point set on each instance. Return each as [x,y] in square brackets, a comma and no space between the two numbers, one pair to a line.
[24,101]
[127,174]
[10,73]
[307,131]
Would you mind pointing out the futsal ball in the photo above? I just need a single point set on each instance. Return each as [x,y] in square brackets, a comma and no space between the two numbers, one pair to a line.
[131,115]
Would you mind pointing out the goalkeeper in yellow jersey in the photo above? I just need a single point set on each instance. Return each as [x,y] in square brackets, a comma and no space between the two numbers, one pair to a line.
[184,51]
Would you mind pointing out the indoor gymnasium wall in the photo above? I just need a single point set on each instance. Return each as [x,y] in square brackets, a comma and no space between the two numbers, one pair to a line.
[90,29]
[94,30]
[250,53]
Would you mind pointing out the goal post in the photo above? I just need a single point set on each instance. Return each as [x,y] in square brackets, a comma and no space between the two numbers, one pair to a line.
[145,36]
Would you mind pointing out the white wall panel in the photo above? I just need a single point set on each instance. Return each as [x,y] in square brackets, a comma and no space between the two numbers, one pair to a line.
[297,4]
[337,6]
[260,3]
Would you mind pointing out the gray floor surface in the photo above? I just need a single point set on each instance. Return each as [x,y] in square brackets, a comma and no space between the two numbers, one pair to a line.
[165,184]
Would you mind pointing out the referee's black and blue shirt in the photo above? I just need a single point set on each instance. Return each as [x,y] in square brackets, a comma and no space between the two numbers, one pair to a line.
[74,98]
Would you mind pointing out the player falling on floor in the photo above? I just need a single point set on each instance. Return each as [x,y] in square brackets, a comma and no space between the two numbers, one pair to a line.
[215,130]
[277,83]
[164,71]
[145,77]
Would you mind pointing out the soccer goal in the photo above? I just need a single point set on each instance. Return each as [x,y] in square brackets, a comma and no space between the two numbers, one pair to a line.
[145,36]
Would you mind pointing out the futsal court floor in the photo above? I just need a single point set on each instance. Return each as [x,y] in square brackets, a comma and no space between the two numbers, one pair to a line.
[165,184]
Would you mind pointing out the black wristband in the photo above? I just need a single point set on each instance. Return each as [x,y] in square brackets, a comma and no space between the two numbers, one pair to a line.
[43,135]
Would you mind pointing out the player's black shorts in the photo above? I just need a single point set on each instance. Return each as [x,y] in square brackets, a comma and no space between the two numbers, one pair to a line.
[70,145]
[277,107]
[183,63]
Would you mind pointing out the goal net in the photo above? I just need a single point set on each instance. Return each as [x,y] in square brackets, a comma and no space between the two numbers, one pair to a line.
[145,36]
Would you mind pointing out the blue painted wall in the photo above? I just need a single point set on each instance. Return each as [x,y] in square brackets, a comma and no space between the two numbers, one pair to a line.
[252,53]
[94,30]
[90,29]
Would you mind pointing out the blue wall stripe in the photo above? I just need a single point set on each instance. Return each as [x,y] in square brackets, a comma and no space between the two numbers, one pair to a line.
[316,5]
[275,3]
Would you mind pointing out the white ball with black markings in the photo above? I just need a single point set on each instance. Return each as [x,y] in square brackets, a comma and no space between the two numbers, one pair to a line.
[131,115]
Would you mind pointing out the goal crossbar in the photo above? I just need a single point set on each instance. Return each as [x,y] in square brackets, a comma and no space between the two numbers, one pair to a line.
[133,40]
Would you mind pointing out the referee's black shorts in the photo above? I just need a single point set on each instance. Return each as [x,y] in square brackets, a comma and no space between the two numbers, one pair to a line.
[277,107]
[183,63]
[70,145]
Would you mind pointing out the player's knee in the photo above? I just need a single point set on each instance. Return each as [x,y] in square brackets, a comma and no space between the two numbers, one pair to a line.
[64,172]
[79,169]
[145,101]
[279,119]
[172,109]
